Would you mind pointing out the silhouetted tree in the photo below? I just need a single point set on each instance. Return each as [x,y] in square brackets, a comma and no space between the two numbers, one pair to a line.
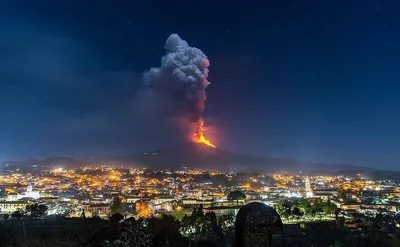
[95,216]
[35,210]
[17,214]
[127,233]
[198,211]
[212,230]
[9,235]
[236,196]
[337,212]
[328,207]
[200,227]
[42,210]
[337,244]
[165,230]
[296,212]
[66,213]
[31,210]
[283,207]
[227,225]
[316,207]
[6,216]
[117,217]
[304,204]
[116,205]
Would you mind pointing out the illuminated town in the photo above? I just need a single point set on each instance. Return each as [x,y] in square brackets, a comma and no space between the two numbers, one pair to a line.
[147,192]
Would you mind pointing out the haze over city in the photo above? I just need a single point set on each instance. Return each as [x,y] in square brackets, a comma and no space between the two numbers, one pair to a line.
[314,81]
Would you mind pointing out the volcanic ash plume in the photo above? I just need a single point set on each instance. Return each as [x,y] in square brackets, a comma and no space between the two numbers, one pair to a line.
[180,84]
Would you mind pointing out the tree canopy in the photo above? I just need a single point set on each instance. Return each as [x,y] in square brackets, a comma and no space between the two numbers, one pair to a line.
[116,205]
[36,210]
[17,214]
[236,196]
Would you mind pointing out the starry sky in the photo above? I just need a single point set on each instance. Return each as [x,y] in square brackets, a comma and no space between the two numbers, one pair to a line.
[312,80]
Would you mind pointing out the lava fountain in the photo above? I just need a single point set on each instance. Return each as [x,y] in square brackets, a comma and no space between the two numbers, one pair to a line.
[199,138]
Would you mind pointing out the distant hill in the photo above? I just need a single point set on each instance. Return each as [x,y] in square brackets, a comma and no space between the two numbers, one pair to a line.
[19,163]
[190,155]
[193,155]
[200,156]
[33,164]
[60,161]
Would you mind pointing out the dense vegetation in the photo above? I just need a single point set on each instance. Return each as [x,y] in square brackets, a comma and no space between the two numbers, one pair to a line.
[303,228]
[306,210]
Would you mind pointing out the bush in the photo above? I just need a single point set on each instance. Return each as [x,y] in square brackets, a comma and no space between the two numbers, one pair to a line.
[128,233]
[117,217]
[303,225]
[9,234]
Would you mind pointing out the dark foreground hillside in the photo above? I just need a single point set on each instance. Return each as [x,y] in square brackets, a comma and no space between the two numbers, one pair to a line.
[193,230]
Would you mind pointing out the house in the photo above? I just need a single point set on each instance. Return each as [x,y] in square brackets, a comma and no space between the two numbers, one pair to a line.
[80,200]
[331,192]
[223,210]
[323,196]
[3,197]
[350,206]
[12,197]
[132,199]
[162,199]
[189,201]
[12,206]
[100,208]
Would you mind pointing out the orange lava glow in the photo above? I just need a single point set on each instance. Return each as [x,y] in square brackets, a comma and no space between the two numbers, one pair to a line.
[201,139]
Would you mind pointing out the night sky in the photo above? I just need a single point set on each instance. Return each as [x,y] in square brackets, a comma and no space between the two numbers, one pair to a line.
[312,80]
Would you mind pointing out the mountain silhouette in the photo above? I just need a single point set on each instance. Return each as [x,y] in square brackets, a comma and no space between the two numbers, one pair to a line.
[199,156]
[190,155]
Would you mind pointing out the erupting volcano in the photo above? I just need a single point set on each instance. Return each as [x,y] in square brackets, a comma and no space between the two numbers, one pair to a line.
[202,140]
[178,86]
[198,136]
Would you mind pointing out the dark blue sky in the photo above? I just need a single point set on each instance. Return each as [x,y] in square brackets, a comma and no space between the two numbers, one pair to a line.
[314,80]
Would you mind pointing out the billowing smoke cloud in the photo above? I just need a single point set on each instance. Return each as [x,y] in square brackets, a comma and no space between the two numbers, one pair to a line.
[178,86]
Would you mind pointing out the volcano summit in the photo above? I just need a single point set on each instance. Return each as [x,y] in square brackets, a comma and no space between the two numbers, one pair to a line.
[191,155]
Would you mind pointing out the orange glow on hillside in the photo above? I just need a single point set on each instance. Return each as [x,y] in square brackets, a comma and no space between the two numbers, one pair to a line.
[201,139]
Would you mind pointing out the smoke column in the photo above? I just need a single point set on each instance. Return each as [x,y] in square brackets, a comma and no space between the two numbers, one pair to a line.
[179,84]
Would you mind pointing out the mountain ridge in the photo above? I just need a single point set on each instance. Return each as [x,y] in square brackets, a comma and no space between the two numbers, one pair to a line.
[199,156]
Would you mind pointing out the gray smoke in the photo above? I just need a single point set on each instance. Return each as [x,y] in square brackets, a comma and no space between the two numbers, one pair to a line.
[178,86]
